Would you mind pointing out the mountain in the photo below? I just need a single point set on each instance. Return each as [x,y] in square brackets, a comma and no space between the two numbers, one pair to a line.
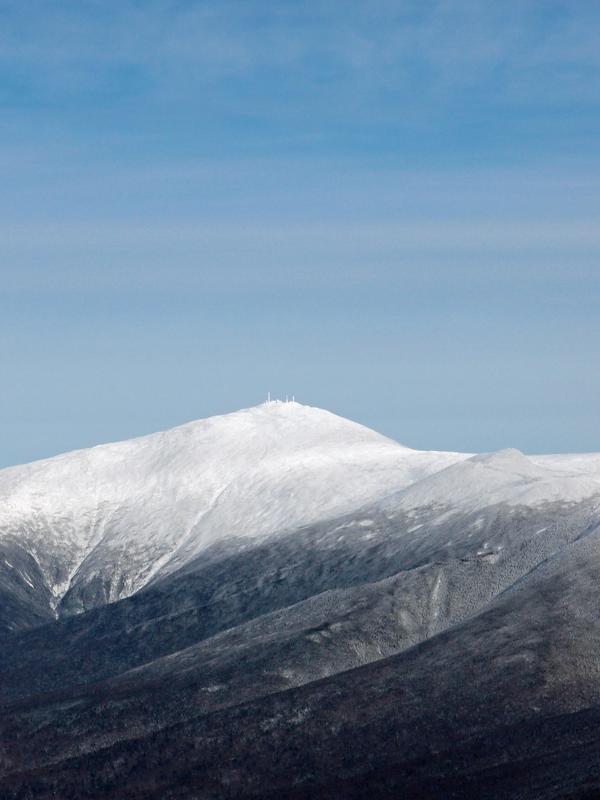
[280,602]
[97,525]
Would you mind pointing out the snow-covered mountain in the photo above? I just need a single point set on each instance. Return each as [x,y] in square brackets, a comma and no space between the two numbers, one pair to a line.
[101,523]
[96,525]
[301,583]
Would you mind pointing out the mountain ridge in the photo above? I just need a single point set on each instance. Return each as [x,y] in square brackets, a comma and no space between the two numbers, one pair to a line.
[269,596]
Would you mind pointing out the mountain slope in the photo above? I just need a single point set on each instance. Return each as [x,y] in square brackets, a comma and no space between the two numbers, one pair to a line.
[323,635]
[439,720]
[347,617]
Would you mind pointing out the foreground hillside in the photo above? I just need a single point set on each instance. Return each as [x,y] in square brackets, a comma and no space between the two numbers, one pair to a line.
[280,602]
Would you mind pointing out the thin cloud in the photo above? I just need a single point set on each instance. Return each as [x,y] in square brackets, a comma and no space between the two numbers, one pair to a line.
[442,47]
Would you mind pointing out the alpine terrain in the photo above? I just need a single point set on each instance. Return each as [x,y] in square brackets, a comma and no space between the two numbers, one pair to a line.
[281,603]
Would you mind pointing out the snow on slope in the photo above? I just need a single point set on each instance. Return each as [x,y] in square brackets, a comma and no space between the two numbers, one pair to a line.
[116,515]
[584,463]
[507,476]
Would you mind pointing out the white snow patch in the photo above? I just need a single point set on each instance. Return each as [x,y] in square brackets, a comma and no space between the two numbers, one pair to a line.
[506,477]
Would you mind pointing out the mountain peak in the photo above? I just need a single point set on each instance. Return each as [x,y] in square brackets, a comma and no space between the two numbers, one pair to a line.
[507,458]
[105,521]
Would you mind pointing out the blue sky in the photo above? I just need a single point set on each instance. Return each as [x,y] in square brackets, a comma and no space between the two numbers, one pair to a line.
[389,209]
